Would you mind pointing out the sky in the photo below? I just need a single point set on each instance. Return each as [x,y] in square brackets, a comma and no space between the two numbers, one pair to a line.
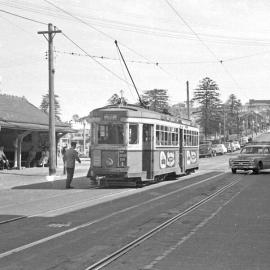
[164,42]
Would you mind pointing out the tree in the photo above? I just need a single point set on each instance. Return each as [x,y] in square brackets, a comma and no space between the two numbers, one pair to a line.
[233,107]
[156,99]
[115,99]
[207,96]
[44,106]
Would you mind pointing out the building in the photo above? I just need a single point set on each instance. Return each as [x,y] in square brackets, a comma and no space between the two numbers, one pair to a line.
[22,126]
[81,136]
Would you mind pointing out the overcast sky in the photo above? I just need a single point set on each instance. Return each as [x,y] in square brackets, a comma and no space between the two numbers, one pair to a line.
[226,40]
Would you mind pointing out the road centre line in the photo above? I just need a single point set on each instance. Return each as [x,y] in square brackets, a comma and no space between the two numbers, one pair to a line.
[57,235]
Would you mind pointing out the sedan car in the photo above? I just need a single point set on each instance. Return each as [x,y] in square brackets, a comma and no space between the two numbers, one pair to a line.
[255,157]
[220,149]
[206,150]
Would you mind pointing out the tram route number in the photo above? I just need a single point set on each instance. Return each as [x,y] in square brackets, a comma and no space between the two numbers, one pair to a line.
[166,159]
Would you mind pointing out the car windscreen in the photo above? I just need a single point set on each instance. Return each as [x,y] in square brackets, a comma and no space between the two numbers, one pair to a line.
[252,150]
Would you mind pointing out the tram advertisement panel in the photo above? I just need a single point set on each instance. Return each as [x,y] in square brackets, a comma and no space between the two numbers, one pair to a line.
[191,157]
[166,159]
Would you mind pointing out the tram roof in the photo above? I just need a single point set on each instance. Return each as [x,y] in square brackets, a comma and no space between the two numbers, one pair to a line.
[138,112]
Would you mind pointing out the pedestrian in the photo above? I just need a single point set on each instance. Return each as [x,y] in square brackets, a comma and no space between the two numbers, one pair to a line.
[69,157]
[4,163]
[63,151]
[31,156]
[44,160]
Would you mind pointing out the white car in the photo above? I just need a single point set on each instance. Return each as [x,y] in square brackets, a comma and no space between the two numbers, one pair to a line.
[219,148]
[236,145]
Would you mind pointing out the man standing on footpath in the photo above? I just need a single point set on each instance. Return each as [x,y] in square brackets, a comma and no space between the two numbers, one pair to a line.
[69,157]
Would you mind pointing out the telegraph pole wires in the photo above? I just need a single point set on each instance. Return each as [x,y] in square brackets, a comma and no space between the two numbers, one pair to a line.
[49,35]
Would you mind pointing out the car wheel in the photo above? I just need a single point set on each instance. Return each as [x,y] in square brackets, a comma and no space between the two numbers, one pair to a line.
[233,171]
[256,171]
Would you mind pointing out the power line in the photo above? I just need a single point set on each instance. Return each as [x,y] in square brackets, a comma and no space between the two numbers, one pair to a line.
[130,27]
[105,34]
[107,69]
[204,44]
[22,17]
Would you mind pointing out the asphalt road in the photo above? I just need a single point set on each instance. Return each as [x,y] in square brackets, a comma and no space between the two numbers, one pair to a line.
[231,231]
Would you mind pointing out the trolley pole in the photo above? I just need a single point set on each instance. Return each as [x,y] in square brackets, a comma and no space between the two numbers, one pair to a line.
[49,35]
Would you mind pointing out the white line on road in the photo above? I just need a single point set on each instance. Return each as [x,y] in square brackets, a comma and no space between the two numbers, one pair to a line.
[57,235]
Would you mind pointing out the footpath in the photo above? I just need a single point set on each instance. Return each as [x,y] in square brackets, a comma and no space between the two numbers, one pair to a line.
[38,176]
[30,192]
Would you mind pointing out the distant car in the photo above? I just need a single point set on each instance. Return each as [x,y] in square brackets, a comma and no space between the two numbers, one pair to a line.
[243,141]
[236,145]
[229,146]
[206,150]
[254,156]
[220,149]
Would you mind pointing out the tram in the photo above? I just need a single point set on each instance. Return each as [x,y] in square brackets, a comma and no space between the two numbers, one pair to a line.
[131,145]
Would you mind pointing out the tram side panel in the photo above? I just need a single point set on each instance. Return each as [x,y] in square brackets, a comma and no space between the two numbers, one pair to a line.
[166,161]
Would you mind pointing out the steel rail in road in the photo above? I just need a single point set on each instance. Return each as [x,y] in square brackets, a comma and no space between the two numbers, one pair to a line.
[87,224]
[120,252]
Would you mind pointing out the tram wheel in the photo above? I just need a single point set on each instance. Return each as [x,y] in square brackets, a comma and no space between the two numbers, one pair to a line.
[139,183]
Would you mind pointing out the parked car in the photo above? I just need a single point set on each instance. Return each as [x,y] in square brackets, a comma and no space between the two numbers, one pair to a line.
[206,150]
[243,141]
[236,145]
[254,156]
[229,147]
[220,149]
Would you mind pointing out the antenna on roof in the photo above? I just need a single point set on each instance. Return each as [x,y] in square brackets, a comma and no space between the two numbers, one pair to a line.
[142,104]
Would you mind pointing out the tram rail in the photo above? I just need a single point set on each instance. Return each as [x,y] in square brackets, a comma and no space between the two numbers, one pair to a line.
[125,249]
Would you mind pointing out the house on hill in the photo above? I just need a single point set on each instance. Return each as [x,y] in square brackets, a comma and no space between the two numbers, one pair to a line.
[23,126]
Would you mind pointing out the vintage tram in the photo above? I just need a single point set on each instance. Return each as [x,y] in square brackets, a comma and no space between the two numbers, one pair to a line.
[131,145]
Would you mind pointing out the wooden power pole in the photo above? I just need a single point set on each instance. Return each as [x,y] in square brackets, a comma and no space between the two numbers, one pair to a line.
[49,35]
[188,102]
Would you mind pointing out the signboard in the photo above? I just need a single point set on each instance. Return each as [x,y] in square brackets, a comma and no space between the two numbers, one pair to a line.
[192,157]
[166,159]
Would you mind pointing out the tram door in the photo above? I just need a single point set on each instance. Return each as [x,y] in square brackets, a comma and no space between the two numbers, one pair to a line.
[181,153]
[147,150]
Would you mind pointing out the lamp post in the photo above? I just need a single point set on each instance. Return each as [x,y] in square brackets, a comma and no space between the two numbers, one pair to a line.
[244,127]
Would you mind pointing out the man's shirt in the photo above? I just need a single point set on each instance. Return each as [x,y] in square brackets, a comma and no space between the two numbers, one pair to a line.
[70,156]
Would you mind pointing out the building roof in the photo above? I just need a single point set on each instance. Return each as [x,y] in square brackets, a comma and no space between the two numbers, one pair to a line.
[19,113]
[259,101]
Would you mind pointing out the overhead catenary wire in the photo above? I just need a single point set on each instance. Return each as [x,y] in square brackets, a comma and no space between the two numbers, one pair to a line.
[204,44]
[22,17]
[100,64]
[141,29]
[107,35]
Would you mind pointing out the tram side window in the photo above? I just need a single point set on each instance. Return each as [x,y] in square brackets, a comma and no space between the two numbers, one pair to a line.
[166,135]
[111,134]
[133,134]
[191,138]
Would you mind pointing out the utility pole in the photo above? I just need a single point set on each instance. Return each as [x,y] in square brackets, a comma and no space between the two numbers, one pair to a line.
[49,35]
[188,110]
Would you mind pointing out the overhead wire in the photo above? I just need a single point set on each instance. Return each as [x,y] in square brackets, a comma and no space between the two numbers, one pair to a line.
[155,31]
[107,35]
[22,17]
[93,58]
[205,45]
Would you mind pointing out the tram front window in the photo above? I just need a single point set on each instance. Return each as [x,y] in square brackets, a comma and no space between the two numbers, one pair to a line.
[111,134]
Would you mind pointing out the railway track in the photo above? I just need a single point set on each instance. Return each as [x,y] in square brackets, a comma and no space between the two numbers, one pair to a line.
[125,249]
